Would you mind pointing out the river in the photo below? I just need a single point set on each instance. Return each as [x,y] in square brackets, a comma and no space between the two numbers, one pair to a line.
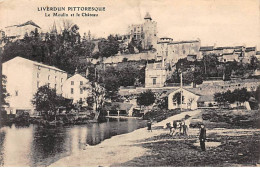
[40,146]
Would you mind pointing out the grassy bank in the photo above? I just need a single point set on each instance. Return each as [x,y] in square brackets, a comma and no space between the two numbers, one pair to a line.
[233,151]
[231,119]
[234,133]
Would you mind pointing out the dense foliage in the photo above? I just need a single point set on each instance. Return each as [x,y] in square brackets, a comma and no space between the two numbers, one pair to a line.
[146,98]
[238,95]
[177,98]
[209,67]
[4,94]
[62,50]
[47,102]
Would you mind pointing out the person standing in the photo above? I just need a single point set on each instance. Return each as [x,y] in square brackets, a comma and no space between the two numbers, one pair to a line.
[149,125]
[202,137]
[174,124]
[185,129]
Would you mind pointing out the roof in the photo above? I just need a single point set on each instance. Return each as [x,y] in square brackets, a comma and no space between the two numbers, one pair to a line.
[182,42]
[238,50]
[206,98]
[118,106]
[235,47]
[248,49]
[77,75]
[24,24]
[36,63]
[227,53]
[148,16]
[166,38]
[206,48]
[153,66]
[189,90]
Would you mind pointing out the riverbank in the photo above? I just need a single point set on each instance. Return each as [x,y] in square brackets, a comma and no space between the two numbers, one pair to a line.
[118,149]
[225,147]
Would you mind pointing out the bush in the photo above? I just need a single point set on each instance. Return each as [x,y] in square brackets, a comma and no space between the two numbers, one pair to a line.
[160,115]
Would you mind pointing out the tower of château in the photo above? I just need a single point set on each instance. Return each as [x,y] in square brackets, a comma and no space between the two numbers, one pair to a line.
[146,32]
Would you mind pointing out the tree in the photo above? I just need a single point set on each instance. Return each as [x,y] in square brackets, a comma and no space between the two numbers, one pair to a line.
[62,50]
[98,96]
[90,101]
[194,76]
[4,94]
[108,47]
[146,98]
[218,97]
[47,101]
[210,62]
[163,103]
[242,95]
[177,98]
[128,75]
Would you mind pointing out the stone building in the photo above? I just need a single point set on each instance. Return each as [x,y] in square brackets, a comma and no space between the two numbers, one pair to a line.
[225,54]
[172,51]
[24,77]
[155,75]
[205,50]
[146,32]
[189,99]
[18,31]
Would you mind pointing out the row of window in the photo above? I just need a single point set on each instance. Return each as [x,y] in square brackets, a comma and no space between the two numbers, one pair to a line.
[38,76]
[72,82]
[72,91]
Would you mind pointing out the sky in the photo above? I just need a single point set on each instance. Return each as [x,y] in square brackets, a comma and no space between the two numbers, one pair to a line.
[214,22]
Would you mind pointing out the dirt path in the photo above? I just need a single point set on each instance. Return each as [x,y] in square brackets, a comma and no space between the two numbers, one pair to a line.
[118,149]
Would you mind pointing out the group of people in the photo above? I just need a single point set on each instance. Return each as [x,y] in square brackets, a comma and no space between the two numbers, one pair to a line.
[182,128]
[178,127]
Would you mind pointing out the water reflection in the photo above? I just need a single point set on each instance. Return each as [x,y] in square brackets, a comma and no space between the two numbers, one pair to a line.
[39,146]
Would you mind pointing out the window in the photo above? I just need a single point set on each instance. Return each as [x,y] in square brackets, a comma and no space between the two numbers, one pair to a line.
[81,82]
[61,87]
[154,81]
[72,82]
[71,90]
[55,86]
[61,79]
[16,92]
[38,84]
[38,75]
[48,77]
[48,84]
[81,91]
